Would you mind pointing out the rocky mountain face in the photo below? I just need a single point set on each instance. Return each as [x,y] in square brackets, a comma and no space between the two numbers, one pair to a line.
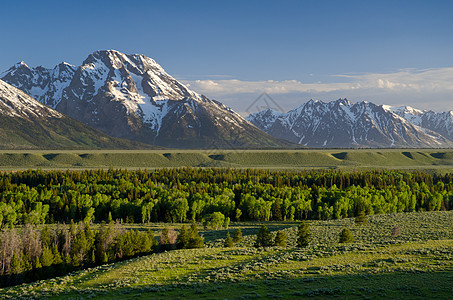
[440,122]
[45,85]
[344,124]
[131,96]
[25,123]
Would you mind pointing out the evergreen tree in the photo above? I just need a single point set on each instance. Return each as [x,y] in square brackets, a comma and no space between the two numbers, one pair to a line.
[16,265]
[195,241]
[45,236]
[26,262]
[67,260]
[263,238]
[237,236]
[37,263]
[152,238]
[109,218]
[361,218]
[303,235]
[346,236]
[228,241]
[277,210]
[182,241]
[46,257]
[57,259]
[280,239]
[105,258]
[164,239]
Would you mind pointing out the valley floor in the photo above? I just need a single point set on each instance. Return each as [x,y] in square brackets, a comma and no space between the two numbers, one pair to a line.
[417,263]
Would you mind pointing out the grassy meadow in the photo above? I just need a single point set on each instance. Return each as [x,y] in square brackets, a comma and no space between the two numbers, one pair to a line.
[433,159]
[415,263]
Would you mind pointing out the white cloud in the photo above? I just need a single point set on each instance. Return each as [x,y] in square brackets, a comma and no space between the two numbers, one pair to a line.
[404,79]
[428,79]
[425,89]
[233,86]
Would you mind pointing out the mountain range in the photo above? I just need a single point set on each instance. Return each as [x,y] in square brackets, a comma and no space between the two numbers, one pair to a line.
[114,95]
[25,123]
[342,123]
[131,96]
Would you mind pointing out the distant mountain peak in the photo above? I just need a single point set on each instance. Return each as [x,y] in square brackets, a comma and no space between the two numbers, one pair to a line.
[21,64]
[341,123]
[344,101]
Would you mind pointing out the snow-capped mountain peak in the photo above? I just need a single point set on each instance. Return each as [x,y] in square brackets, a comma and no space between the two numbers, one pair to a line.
[342,123]
[131,96]
[265,117]
[404,110]
[45,85]
[139,73]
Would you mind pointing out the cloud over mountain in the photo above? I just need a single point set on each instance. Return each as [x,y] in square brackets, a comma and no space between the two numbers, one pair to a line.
[422,88]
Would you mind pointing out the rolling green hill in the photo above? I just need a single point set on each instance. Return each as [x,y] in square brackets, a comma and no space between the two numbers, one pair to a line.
[414,159]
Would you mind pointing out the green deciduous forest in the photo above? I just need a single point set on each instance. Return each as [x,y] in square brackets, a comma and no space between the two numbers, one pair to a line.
[214,196]
[30,250]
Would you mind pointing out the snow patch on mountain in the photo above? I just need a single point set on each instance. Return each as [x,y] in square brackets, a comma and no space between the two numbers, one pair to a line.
[45,85]
[342,123]
[15,103]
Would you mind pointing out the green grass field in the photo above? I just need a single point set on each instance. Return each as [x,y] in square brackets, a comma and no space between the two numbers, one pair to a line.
[418,263]
[409,159]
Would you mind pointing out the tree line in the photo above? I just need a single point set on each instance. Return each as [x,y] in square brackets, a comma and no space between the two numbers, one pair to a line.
[214,196]
[30,253]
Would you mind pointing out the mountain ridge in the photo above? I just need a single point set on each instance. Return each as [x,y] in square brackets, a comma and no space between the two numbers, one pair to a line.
[131,96]
[26,123]
[344,124]
[441,122]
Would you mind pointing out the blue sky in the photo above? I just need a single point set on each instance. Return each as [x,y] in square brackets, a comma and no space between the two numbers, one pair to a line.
[230,50]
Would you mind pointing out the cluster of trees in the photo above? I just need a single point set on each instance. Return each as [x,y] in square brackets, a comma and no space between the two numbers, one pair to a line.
[237,238]
[29,253]
[214,196]
[188,239]
[265,238]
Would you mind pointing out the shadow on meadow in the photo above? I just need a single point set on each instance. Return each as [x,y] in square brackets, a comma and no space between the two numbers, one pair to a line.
[393,285]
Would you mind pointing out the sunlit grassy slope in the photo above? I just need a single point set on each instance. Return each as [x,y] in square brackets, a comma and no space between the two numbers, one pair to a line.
[273,159]
[418,263]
